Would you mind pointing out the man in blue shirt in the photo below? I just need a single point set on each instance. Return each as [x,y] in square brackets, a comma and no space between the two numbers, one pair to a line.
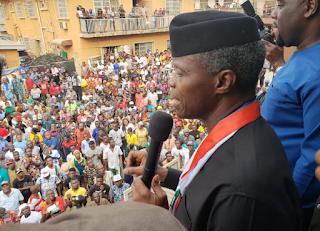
[95,133]
[50,141]
[131,18]
[23,70]
[292,105]
[4,176]
[116,67]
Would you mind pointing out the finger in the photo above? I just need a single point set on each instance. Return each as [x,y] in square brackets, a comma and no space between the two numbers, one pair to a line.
[135,158]
[317,157]
[318,173]
[160,193]
[140,192]
[267,43]
[136,171]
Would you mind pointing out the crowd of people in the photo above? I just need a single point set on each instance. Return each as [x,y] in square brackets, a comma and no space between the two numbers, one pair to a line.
[65,136]
[137,18]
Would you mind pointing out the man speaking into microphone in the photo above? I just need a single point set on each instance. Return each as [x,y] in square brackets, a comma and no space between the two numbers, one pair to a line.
[239,177]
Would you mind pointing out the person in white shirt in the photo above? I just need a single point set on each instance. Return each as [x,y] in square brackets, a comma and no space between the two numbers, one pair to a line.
[113,157]
[52,168]
[144,60]
[153,97]
[181,153]
[9,154]
[27,216]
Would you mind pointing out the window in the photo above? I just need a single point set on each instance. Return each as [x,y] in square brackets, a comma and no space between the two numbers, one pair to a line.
[11,7]
[3,12]
[203,4]
[27,43]
[173,7]
[102,4]
[19,10]
[168,44]
[62,9]
[28,6]
[142,48]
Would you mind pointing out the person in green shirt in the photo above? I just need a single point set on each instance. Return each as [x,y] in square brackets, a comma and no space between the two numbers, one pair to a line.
[72,106]
[9,108]
[28,98]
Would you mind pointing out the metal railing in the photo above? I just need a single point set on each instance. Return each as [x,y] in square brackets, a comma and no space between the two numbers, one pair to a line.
[91,26]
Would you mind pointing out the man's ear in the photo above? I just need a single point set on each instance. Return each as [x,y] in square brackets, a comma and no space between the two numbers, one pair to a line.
[225,80]
[311,8]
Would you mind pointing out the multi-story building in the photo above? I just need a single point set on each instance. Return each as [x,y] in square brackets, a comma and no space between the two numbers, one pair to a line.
[46,26]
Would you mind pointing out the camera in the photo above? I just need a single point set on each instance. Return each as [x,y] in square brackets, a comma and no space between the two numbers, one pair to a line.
[265,32]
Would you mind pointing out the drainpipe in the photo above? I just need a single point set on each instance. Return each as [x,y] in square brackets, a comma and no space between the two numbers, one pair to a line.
[43,41]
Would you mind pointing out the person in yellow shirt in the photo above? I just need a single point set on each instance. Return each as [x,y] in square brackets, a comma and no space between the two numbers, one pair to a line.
[12,168]
[34,132]
[131,138]
[75,190]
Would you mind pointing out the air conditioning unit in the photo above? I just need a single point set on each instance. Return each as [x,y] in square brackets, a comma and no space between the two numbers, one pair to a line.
[56,51]
[63,25]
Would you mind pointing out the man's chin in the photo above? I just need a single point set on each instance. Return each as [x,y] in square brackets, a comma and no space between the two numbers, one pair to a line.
[280,42]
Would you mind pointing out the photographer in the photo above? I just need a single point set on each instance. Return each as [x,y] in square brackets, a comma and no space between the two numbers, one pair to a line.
[292,105]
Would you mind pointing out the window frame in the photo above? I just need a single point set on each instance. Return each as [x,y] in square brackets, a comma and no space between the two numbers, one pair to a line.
[28,8]
[4,12]
[146,47]
[27,44]
[17,11]
[60,16]
[173,7]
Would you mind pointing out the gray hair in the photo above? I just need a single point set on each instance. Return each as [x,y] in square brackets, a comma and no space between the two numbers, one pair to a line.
[244,60]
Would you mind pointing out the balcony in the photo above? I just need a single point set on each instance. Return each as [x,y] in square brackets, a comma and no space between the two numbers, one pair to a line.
[94,28]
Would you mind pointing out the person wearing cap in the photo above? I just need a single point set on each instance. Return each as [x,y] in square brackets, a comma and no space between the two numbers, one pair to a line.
[228,184]
[23,182]
[132,107]
[8,217]
[187,134]
[118,188]
[10,198]
[28,216]
[12,167]
[48,182]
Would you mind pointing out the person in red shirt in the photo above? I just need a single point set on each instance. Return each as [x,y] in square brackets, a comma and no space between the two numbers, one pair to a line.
[124,102]
[135,83]
[44,86]
[54,89]
[138,97]
[51,199]
[66,145]
[3,131]
[29,83]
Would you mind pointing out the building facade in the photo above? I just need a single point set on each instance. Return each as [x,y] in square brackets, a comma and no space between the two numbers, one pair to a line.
[46,26]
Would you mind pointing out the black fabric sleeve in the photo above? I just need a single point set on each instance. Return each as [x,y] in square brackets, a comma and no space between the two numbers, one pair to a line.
[240,212]
[66,183]
[172,179]
[15,183]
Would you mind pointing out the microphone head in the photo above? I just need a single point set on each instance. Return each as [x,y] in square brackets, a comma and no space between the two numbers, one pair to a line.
[160,126]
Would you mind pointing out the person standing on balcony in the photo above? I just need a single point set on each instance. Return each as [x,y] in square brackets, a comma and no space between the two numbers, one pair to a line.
[131,18]
[82,15]
[122,13]
[100,22]
[106,15]
[91,23]
[112,22]
[143,14]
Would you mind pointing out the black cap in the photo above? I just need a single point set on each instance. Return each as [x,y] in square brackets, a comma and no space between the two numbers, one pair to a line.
[202,31]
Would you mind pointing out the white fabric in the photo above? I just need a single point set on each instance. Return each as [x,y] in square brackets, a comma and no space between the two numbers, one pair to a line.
[112,156]
[34,218]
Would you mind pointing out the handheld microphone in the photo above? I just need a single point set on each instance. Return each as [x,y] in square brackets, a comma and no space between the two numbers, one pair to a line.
[159,129]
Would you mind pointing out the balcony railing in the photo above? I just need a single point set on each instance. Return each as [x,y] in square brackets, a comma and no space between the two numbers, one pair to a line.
[121,26]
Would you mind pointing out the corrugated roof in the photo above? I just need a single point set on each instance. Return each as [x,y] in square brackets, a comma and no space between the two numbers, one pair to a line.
[10,45]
